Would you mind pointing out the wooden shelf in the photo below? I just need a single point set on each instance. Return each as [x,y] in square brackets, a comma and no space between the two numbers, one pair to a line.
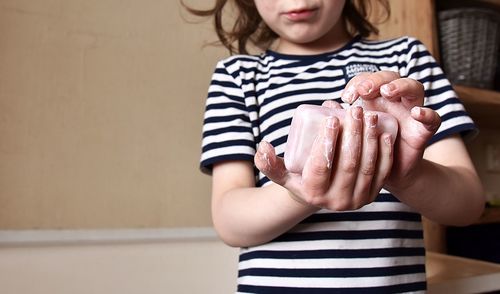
[482,105]
[452,274]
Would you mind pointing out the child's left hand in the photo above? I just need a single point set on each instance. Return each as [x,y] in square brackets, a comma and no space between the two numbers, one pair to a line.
[403,98]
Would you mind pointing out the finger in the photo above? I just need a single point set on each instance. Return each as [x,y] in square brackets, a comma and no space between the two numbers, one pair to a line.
[429,118]
[409,91]
[332,104]
[420,127]
[350,93]
[369,87]
[269,164]
[384,164]
[346,170]
[368,162]
[317,169]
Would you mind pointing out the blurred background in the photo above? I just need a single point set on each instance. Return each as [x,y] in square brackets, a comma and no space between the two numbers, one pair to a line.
[101,109]
[101,112]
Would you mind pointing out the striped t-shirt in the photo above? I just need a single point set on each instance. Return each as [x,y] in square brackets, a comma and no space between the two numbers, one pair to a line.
[378,248]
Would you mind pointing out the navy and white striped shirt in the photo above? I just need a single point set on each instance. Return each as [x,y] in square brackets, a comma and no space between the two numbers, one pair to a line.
[378,248]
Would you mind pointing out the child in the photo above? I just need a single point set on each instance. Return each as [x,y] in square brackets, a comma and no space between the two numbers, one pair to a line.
[351,222]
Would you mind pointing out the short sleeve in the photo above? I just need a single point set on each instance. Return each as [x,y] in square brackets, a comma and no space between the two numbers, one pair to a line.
[439,94]
[227,129]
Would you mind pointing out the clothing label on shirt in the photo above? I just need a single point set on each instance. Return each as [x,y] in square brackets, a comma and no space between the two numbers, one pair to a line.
[352,69]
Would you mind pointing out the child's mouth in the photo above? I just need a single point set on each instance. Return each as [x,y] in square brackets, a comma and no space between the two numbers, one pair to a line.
[300,14]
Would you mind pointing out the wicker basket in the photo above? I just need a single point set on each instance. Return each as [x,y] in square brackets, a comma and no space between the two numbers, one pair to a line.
[469,45]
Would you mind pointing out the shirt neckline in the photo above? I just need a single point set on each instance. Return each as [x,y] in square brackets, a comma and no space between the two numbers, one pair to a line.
[313,56]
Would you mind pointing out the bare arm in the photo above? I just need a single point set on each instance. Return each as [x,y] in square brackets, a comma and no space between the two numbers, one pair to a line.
[444,187]
[244,215]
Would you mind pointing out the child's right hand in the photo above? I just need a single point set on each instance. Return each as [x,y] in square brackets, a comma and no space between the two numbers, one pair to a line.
[344,171]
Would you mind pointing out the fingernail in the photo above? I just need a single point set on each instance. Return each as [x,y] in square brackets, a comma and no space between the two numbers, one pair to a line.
[356,112]
[371,119]
[266,158]
[388,140]
[327,103]
[365,87]
[416,111]
[331,123]
[349,94]
[263,147]
[330,104]
[263,151]
[387,89]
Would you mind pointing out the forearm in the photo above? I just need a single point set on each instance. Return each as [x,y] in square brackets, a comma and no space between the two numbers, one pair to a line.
[250,216]
[450,195]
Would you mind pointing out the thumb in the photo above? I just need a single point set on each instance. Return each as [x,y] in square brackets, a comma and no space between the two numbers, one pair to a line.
[269,164]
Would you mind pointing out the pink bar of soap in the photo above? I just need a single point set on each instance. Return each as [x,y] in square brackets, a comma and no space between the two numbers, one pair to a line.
[306,125]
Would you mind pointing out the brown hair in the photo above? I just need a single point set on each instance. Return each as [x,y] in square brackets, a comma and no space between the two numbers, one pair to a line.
[249,27]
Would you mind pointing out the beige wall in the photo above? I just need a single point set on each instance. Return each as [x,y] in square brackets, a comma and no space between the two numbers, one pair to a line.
[101,105]
[180,267]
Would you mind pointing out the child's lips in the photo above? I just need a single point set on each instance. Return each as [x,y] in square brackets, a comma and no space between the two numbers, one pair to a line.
[300,14]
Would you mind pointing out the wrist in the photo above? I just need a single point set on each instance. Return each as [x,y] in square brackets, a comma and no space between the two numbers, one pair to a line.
[301,201]
[405,182]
